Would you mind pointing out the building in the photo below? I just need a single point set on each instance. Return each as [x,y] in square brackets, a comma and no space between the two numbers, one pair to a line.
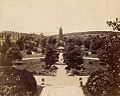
[60,41]
[60,38]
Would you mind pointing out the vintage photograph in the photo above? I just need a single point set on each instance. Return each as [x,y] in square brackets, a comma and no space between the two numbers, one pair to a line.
[59,47]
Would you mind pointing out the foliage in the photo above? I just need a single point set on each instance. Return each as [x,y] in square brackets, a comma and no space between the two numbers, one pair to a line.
[109,53]
[31,42]
[87,42]
[106,83]
[110,50]
[72,52]
[78,40]
[114,24]
[96,43]
[15,82]
[73,56]
[6,45]
[85,91]
[13,54]
[101,83]
[43,43]
[52,40]
[4,48]
[75,40]
[51,55]
[20,43]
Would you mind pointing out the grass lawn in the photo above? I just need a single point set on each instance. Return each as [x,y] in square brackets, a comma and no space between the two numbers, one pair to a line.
[36,66]
[90,66]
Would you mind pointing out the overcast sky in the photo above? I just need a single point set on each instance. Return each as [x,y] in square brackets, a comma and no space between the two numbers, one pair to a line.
[48,15]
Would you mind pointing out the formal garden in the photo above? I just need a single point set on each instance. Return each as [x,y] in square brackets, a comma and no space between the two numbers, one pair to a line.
[94,56]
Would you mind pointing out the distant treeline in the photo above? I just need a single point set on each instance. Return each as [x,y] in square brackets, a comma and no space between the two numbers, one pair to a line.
[16,35]
[92,33]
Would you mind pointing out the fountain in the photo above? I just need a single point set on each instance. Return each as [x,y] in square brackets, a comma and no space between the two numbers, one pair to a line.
[61,66]
[61,59]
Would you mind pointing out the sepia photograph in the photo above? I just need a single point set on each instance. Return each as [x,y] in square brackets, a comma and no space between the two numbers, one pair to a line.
[59,47]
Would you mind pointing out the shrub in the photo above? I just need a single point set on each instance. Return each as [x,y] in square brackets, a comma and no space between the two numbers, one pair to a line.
[102,83]
[15,82]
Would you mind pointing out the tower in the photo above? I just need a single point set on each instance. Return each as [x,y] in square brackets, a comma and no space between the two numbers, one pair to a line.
[60,33]
[60,42]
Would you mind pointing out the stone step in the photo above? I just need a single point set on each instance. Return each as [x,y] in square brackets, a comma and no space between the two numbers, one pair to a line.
[62,91]
[61,80]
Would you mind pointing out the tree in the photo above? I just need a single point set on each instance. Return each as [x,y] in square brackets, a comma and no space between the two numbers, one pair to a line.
[106,83]
[101,83]
[4,49]
[69,40]
[20,43]
[114,24]
[73,56]
[96,43]
[51,55]
[13,54]
[87,42]
[43,43]
[78,40]
[52,40]
[109,51]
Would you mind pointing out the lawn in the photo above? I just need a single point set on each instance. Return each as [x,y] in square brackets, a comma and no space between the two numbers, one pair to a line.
[35,65]
[90,66]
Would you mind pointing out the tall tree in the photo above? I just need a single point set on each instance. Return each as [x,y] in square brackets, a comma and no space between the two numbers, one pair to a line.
[72,54]
[4,48]
[107,83]
[96,43]
[51,55]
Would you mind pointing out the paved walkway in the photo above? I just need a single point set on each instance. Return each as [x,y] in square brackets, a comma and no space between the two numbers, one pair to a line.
[61,80]
[61,85]
[61,71]
[62,91]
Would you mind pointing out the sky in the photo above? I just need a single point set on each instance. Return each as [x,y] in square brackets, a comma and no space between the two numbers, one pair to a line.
[46,16]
